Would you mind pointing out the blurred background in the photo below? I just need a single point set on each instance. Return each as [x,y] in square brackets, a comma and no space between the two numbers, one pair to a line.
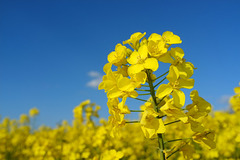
[52,52]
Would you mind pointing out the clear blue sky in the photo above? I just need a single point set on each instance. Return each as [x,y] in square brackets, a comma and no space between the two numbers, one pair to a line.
[48,48]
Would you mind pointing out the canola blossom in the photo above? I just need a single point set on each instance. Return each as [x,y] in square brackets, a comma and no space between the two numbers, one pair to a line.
[132,69]
[235,100]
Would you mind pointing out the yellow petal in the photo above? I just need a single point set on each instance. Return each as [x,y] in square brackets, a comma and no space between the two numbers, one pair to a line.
[107,67]
[194,95]
[101,86]
[133,94]
[170,38]
[211,144]
[112,57]
[163,90]
[186,83]
[178,98]
[133,69]
[173,74]
[121,50]
[140,77]
[195,126]
[133,59]
[137,36]
[150,124]
[113,93]
[177,53]
[151,63]
[155,37]
[125,84]
[185,70]
[123,108]
[171,110]
[107,85]
[166,58]
[161,127]
[143,51]
[134,39]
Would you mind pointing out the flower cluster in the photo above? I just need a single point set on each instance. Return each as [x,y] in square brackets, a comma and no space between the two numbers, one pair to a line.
[235,100]
[133,70]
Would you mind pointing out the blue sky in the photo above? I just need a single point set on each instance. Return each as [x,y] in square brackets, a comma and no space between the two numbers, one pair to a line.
[51,50]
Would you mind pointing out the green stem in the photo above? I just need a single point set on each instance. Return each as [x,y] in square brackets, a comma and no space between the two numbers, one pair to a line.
[140,99]
[132,122]
[173,153]
[144,94]
[172,122]
[159,82]
[161,100]
[174,140]
[161,116]
[160,136]
[161,76]
[136,111]
[152,91]
[178,149]
[143,85]
[161,146]
[142,90]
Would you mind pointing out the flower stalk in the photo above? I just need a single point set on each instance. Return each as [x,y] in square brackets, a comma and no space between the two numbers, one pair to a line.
[160,136]
[172,122]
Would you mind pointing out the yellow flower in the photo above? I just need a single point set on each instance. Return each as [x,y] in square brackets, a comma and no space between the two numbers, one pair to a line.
[117,109]
[115,125]
[173,111]
[174,86]
[134,40]
[171,38]
[139,78]
[150,124]
[235,100]
[175,57]
[184,68]
[124,87]
[199,107]
[139,61]
[188,151]
[237,139]
[118,57]
[110,79]
[237,89]
[156,45]
[78,113]
[207,138]
[95,113]
[112,155]
[195,125]
[24,119]
[33,112]
[123,70]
